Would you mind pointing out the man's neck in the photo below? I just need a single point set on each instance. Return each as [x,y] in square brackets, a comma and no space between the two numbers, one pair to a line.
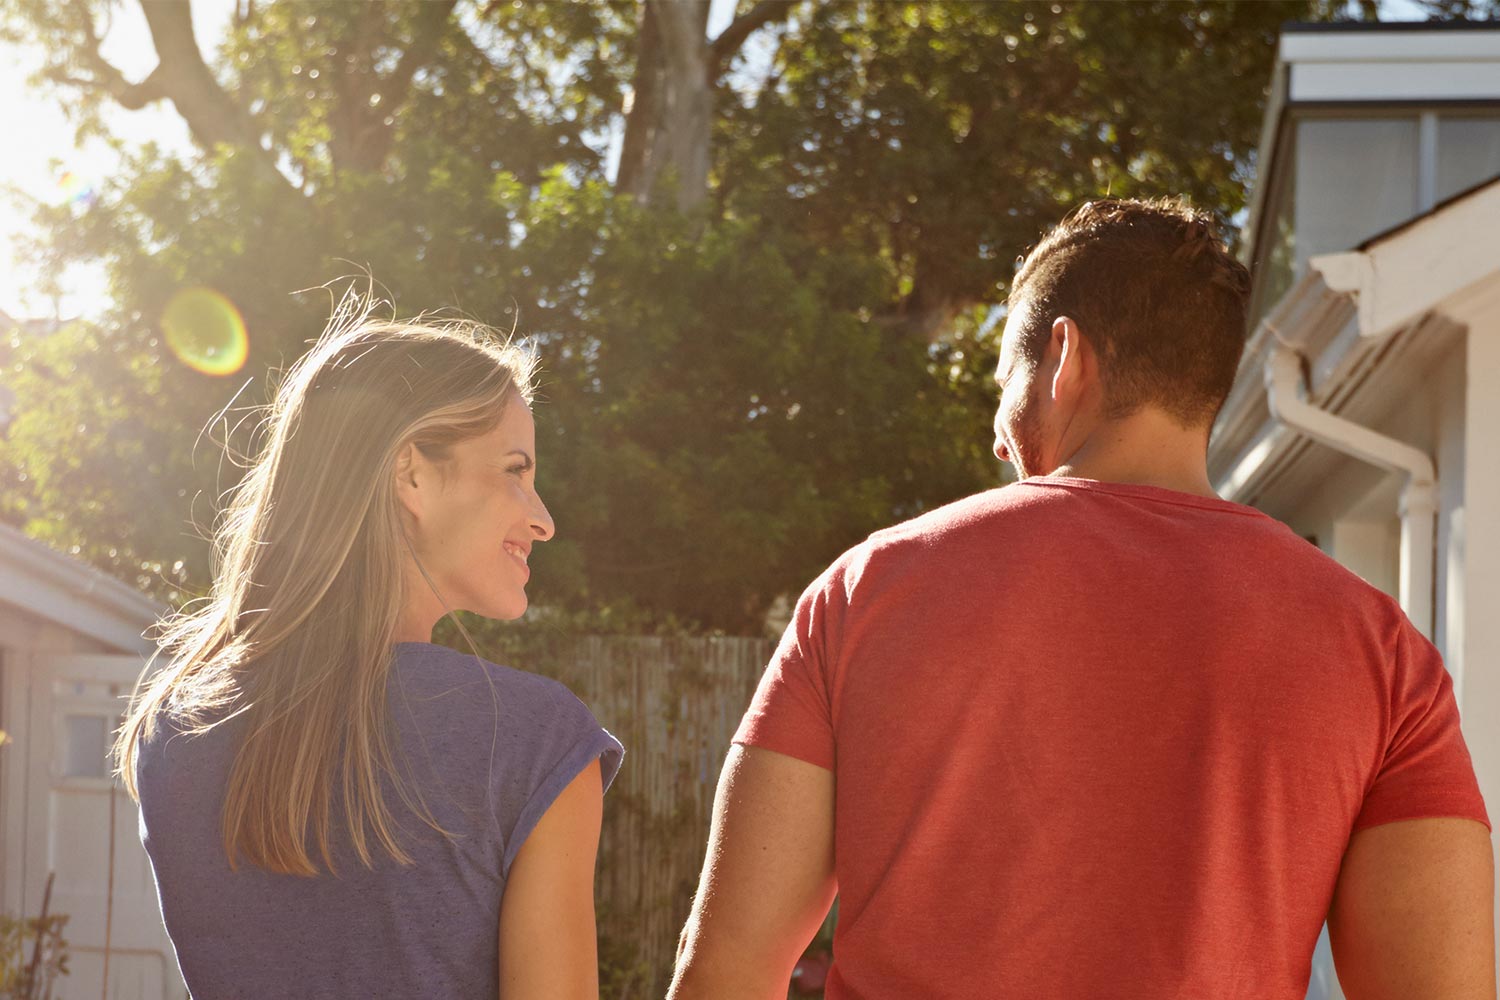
[1147,448]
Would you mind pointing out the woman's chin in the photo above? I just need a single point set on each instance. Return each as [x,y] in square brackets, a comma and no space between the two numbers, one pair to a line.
[508,611]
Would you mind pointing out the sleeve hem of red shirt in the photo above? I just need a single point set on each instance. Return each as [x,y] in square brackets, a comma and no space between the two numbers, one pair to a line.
[817,756]
[1455,810]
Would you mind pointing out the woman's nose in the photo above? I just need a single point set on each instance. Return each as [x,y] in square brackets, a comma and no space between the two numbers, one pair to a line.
[541,521]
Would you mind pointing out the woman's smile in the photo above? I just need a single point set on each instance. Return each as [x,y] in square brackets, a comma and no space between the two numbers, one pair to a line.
[520,554]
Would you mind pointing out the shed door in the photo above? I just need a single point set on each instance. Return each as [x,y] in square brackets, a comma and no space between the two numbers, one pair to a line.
[78,701]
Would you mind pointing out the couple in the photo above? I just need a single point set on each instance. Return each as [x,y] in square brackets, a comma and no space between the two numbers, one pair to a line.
[1096,734]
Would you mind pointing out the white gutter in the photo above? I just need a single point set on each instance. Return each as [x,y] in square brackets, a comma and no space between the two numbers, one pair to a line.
[1283,374]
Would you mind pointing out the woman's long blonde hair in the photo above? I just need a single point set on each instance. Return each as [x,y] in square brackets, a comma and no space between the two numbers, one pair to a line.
[296,634]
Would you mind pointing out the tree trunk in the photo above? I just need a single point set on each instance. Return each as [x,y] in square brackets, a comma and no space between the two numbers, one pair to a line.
[679,153]
[671,117]
[670,124]
[360,140]
[634,176]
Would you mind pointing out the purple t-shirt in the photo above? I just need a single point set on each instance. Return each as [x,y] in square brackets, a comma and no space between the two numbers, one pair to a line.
[490,748]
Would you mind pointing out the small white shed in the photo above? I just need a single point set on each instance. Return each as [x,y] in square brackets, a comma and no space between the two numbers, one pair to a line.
[70,652]
[1367,411]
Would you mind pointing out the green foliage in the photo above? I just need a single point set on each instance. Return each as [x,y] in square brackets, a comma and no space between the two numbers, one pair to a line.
[730,398]
[944,138]
[719,419]
[18,943]
[1461,10]
[93,457]
[624,974]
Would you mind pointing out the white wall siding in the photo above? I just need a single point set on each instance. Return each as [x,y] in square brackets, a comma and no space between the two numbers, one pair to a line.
[1481,569]
[1450,385]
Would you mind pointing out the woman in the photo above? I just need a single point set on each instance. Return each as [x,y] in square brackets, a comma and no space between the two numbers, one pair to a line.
[333,805]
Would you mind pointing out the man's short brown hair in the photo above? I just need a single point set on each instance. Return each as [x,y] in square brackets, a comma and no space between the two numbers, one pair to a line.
[1156,292]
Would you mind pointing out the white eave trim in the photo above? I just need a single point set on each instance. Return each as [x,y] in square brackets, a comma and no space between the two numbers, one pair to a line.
[1379,66]
[1419,265]
[1379,81]
[55,587]
[1417,45]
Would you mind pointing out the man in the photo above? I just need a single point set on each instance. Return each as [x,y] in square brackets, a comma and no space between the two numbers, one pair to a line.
[1100,733]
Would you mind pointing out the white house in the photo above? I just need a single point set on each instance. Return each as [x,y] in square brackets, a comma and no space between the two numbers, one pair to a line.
[70,651]
[1367,411]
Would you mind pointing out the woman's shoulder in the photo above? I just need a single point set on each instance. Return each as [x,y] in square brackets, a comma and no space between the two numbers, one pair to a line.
[438,673]
[536,722]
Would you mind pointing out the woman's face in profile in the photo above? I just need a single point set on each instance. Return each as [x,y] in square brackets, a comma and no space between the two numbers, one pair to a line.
[478,515]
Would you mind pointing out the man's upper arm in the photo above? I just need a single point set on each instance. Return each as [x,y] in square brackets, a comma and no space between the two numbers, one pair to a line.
[1413,912]
[768,878]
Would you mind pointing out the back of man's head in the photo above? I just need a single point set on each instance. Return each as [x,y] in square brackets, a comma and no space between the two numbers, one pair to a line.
[1156,292]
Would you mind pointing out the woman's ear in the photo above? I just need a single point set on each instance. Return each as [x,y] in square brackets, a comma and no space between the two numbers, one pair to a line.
[411,476]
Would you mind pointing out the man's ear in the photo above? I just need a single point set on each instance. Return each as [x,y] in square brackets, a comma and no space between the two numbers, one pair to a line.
[1075,362]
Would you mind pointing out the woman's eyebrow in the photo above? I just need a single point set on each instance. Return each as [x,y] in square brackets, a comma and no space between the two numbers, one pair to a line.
[517,451]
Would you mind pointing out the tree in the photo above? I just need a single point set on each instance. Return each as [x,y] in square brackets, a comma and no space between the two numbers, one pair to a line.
[745,376]
[944,138]
[1461,10]
[677,73]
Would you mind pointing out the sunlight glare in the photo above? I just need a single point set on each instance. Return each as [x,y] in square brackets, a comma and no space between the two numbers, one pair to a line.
[206,331]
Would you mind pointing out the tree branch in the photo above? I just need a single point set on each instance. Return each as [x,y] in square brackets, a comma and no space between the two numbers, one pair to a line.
[722,49]
[105,76]
[180,76]
[184,78]
[132,96]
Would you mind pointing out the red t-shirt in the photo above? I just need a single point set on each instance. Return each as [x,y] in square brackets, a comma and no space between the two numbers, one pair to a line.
[1101,740]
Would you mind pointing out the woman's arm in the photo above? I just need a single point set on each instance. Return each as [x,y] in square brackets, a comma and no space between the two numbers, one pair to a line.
[548,950]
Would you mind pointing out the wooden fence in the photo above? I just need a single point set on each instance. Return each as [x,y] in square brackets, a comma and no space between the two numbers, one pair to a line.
[674,703]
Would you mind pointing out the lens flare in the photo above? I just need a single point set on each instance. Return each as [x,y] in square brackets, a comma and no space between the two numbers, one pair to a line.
[205,331]
[76,190]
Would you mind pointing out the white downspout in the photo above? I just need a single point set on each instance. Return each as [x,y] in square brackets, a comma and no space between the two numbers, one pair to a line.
[1418,499]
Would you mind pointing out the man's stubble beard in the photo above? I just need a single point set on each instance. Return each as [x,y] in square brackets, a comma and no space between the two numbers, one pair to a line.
[1024,439]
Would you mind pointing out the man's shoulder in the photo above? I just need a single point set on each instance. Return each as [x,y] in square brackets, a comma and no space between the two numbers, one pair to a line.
[966,512]
[994,510]
[920,540]
[1046,523]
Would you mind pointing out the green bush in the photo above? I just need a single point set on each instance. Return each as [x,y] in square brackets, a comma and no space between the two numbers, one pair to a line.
[18,948]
